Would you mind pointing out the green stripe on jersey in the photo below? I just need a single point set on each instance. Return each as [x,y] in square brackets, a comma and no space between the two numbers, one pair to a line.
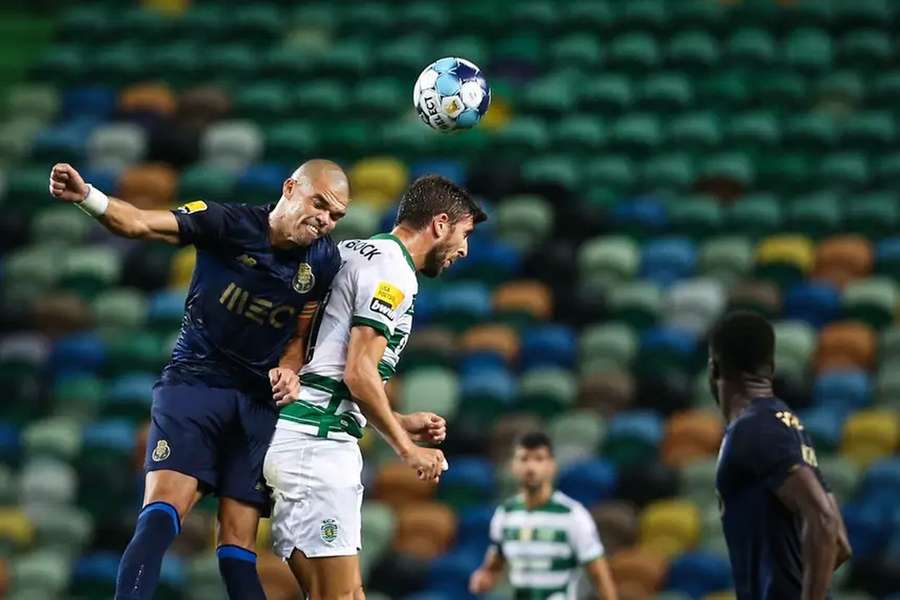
[518,504]
[535,534]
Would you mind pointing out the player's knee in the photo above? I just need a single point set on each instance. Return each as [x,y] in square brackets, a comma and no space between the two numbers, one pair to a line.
[237,524]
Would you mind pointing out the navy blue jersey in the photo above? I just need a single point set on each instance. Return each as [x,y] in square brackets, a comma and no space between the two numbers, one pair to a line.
[245,296]
[760,449]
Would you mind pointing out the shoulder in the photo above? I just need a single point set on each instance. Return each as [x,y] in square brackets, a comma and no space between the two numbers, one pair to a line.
[562,503]
[325,250]
[512,503]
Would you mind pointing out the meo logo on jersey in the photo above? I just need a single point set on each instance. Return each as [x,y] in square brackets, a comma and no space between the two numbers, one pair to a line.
[386,300]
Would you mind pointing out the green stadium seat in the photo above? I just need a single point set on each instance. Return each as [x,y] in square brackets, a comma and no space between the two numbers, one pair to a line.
[787,170]
[888,170]
[539,15]
[287,63]
[16,139]
[407,138]
[351,59]
[427,16]
[874,215]
[666,92]
[577,50]
[43,573]
[206,182]
[362,224]
[808,50]
[842,476]
[638,303]
[205,581]
[694,49]
[520,48]
[77,397]
[668,172]
[725,90]
[864,12]
[553,94]
[612,171]
[637,132]
[381,97]
[807,12]
[61,529]
[551,169]
[872,301]
[266,101]
[695,216]
[782,88]
[29,271]
[138,350]
[39,102]
[607,346]
[320,96]
[756,129]
[56,437]
[795,342]
[730,167]
[698,482]
[9,490]
[608,260]
[404,56]
[548,391]
[634,51]
[638,14]
[234,145]
[727,258]
[431,388]
[842,86]
[207,18]
[120,309]
[288,138]
[90,270]
[887,386]
[700,130]
[751,47]
[609,92]
[28,185]
[258,23]
[118,64]
[590,15]
[114,147]
[845,170]
[885,88]
[866,48]
[874,129]
[90,19]
[580,133]
[61,225]
[62,64]
[472,47]
[817,215]
[576,435]
[524,221]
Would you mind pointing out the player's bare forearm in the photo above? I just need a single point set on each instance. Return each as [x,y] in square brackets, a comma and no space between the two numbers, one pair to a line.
[295,350]
[129,221]
[803,495]
[488,574]
[600,575]
[844,549]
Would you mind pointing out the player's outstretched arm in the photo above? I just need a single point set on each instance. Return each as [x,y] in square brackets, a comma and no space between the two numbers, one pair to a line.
[364,351]
[488,574]
[600,575]
[121,218]
[844,550]
[802,493]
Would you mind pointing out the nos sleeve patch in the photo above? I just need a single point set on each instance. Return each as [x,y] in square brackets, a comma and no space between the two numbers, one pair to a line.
[387,299]
[192,207]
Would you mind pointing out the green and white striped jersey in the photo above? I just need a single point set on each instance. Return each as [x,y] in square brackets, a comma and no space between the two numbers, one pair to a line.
[545,547]
[376,287]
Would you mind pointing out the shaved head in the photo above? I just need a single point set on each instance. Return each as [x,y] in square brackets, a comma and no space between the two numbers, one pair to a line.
[313,199]
[325,172]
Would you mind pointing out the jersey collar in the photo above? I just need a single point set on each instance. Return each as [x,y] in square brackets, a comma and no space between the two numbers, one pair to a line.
[406,254]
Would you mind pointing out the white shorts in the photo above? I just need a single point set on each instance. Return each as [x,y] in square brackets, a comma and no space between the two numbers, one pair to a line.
[318,493]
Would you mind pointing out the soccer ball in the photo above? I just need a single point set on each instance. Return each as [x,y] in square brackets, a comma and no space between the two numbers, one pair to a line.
[451,93]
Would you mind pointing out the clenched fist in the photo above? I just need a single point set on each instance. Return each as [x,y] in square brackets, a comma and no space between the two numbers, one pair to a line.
[66,183]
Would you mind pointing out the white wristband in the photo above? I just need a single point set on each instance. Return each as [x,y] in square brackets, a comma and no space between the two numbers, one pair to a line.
[95,202]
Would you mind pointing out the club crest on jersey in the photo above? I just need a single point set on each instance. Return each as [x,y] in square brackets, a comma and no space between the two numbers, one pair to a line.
[329,531]
[305,279]
[161,452]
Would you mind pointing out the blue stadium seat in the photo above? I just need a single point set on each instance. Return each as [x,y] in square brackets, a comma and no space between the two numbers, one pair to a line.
[548,345]
[469,482]
[699,574]
[633,437]
[589,481]
[666,346]
[102,179]
[473,524]
[866,528]
[817,303]
[66,142]
[96,101]
[454,170]
[76,353]
[130,395]
[849,389]
[666,260]
[825,425]
[491,385]
[643,216]
[887,256]
[488,260]
[166,309]
[449,574]
[95,574]
[10,443]
[261,183]
[881,484]
[110,437]
[462,304]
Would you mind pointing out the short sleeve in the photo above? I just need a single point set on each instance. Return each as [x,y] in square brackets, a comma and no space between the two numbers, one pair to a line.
[205,224]
[327,264]
[496,530]
[778,447]
[383,295]
[584,537]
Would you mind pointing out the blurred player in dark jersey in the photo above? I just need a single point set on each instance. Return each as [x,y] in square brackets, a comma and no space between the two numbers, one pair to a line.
[784,531]
[259,273]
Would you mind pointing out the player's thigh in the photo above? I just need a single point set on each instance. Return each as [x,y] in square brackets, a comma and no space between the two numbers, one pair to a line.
[328,578]
[241,461]
[317,495]
[237,523]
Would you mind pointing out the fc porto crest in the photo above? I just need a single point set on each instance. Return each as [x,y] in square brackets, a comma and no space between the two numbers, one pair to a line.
[161,452]
[304,280]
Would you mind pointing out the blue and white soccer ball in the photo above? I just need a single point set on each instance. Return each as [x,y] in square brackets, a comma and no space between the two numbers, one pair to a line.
[451,93]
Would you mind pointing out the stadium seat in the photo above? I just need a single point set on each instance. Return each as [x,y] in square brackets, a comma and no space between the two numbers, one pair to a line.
[149,186]
[870,130]
[433,346]
[694,130]
[547,345]
[824,425]
[784,258]
[665,260]
[522,302]
[755,216]
[814,303]
[887,257]
[608,260]
[634,51]
[433,389]
[580,134]
[607,346]
[606,392]
[726,259]
[42,574]
[547,391]
[695,49]
[61,225]
[588,481]
[637,133]
[56,437]
[816,215]
[874,215]
[846,344]
[698,573]
[872,301]
[870,435]
[808,50]
[424,529]
[378,525]
[397,486]
[672,172]
[694,304]
[633,437]
[524,221]
[116,146]
[751,47]
[639,303]
[670,527]
[576,435]
[842,476]
[493,338]
[64,529]
[759,129]
[577,49]
[757,295]
[665,91]
[639,217]
[842,259]
[34,101]
[470,483]
[638,571]
[691,435]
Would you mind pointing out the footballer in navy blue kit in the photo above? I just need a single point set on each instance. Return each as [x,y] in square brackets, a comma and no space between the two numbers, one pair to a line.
[784,531]
[259,273]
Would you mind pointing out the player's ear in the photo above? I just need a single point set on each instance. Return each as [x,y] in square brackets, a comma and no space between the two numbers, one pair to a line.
[440,224]
[287,187]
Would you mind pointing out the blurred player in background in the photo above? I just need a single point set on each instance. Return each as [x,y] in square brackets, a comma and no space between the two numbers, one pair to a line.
[259,273]
[542,534]
[784,531]
[314,464]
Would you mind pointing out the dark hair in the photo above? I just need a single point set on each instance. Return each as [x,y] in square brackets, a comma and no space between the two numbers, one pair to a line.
[432,195]
[743,341]
[533,440]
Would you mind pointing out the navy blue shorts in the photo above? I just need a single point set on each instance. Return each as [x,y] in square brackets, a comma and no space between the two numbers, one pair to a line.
[218,435]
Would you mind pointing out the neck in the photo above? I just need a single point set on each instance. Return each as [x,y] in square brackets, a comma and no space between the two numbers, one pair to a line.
[743,393]
[276,237]
[538,496]
[416,242]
